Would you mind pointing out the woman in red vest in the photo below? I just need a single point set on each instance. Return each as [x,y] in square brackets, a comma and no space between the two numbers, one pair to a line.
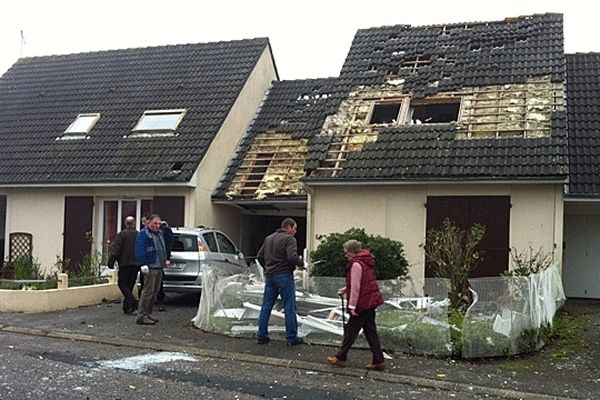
[364,297]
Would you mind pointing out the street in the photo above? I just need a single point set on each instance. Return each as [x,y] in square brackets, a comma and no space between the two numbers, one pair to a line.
[33,367]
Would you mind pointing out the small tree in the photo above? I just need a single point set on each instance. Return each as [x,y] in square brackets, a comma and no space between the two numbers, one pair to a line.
[529,262]
[452,253]
[389,254]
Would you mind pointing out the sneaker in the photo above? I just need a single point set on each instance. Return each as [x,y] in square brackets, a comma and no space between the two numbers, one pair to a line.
[376,367]
[144,321]
[295,342]
[333,360]
[151,318]
[263,340]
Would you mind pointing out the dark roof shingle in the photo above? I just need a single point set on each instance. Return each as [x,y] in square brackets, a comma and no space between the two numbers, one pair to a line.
[41,96]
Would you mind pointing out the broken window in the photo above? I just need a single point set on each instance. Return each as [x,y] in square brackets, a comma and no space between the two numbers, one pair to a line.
[385,113]
[434,111]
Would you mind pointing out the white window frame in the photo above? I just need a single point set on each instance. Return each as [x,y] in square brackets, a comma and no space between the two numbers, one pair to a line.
[119,200]
[137,132]
[69,134]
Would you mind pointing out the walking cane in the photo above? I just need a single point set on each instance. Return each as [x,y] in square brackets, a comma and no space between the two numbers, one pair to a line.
[343,312]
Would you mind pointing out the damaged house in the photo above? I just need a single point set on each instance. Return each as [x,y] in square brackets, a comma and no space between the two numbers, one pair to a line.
[90,138]
[466,121]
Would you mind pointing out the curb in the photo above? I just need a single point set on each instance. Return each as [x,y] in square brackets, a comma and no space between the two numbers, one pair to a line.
[278,362]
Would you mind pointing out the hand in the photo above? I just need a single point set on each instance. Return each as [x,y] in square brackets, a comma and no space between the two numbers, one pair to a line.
[144,269]
[342,291]
[168,263]
[353,312]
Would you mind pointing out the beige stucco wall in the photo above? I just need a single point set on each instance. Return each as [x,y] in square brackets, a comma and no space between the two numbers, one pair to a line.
[398,212]
[222,148]
[40,211]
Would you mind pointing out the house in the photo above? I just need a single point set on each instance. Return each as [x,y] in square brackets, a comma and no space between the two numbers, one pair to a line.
[581,271]
[466,121]
[90,138]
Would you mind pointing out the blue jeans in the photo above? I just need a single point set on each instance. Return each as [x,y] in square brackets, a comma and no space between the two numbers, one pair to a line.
[275,285]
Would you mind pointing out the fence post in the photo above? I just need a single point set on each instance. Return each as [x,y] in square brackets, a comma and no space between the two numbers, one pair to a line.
[112,276]
[63,281]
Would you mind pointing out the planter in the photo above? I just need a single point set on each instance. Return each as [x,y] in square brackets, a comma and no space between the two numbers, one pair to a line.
[32,301]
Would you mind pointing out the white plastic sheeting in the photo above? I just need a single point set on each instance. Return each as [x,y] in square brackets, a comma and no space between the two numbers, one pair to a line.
[511,315]
[506,318]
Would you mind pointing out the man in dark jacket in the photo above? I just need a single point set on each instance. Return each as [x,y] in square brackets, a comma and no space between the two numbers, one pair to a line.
[123,252]
[279,257]
[151,253]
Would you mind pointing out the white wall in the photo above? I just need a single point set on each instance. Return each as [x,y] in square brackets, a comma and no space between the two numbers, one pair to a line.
[40,211]
[223,147]
[398,212]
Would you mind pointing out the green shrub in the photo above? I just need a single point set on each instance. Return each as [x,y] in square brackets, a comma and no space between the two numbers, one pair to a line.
[391,262]
[27,268]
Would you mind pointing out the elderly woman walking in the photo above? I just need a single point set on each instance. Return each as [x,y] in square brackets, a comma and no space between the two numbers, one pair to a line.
[364,297]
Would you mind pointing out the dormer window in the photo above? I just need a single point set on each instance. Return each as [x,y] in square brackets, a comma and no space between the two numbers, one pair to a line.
[434,111]
[81,127]
[158,122]
[385,113]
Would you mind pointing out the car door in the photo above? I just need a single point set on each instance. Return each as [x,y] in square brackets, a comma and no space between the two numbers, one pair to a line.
[211,256]
[230,253]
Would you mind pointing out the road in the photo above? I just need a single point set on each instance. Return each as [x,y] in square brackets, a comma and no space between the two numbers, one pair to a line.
[33,367]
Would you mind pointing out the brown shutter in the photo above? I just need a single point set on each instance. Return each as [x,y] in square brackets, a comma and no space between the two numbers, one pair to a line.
[170,208]
[77,230]
[491,211]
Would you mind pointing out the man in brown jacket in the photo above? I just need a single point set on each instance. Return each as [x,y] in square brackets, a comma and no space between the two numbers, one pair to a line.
[279,256]
[123,252]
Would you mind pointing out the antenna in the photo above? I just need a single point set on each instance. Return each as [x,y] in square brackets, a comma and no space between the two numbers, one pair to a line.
[23,43]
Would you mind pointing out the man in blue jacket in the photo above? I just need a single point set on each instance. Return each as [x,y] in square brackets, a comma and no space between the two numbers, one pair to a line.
[151,253]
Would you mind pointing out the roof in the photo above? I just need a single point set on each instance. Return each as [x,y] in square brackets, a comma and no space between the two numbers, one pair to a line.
[583,105]
[522,55]
[41,96]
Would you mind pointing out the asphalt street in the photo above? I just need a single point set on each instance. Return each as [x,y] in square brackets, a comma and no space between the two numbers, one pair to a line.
[34,367]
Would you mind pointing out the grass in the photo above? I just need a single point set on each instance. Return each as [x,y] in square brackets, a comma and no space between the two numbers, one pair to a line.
[565,337]
[515,366]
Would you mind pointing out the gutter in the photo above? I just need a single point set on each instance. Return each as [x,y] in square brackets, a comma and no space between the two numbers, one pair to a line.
[104,184]
[371,182]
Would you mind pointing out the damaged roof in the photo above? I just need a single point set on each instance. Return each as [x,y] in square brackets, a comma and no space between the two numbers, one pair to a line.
[41,96]
[522,57]
[583,104]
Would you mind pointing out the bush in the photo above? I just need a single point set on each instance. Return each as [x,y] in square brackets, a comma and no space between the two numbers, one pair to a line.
[27,268]
[331,261]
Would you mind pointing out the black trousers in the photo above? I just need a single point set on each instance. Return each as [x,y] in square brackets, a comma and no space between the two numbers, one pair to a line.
[161,293]
[127,277]
[365,320]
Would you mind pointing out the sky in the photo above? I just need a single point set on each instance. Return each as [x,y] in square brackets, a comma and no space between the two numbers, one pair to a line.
[309,38]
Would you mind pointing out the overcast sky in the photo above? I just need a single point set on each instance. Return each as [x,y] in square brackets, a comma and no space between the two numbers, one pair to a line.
[310,38]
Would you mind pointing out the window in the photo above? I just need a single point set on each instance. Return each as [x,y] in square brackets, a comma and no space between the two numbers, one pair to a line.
[81,127]
[211,242]
[159,122]
[434,111]
[186,243]
[225,245]
[113,214]
[385,113]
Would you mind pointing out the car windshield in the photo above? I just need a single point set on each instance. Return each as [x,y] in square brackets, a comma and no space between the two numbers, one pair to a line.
[185,243]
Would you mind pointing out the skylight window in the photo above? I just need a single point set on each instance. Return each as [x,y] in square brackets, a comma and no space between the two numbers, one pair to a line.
[82,126]
[159,122]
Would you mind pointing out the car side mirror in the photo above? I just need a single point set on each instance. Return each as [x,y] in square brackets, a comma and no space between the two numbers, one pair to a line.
[240,255]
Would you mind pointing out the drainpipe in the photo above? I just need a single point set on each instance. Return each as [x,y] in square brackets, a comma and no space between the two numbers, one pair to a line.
[309,232]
